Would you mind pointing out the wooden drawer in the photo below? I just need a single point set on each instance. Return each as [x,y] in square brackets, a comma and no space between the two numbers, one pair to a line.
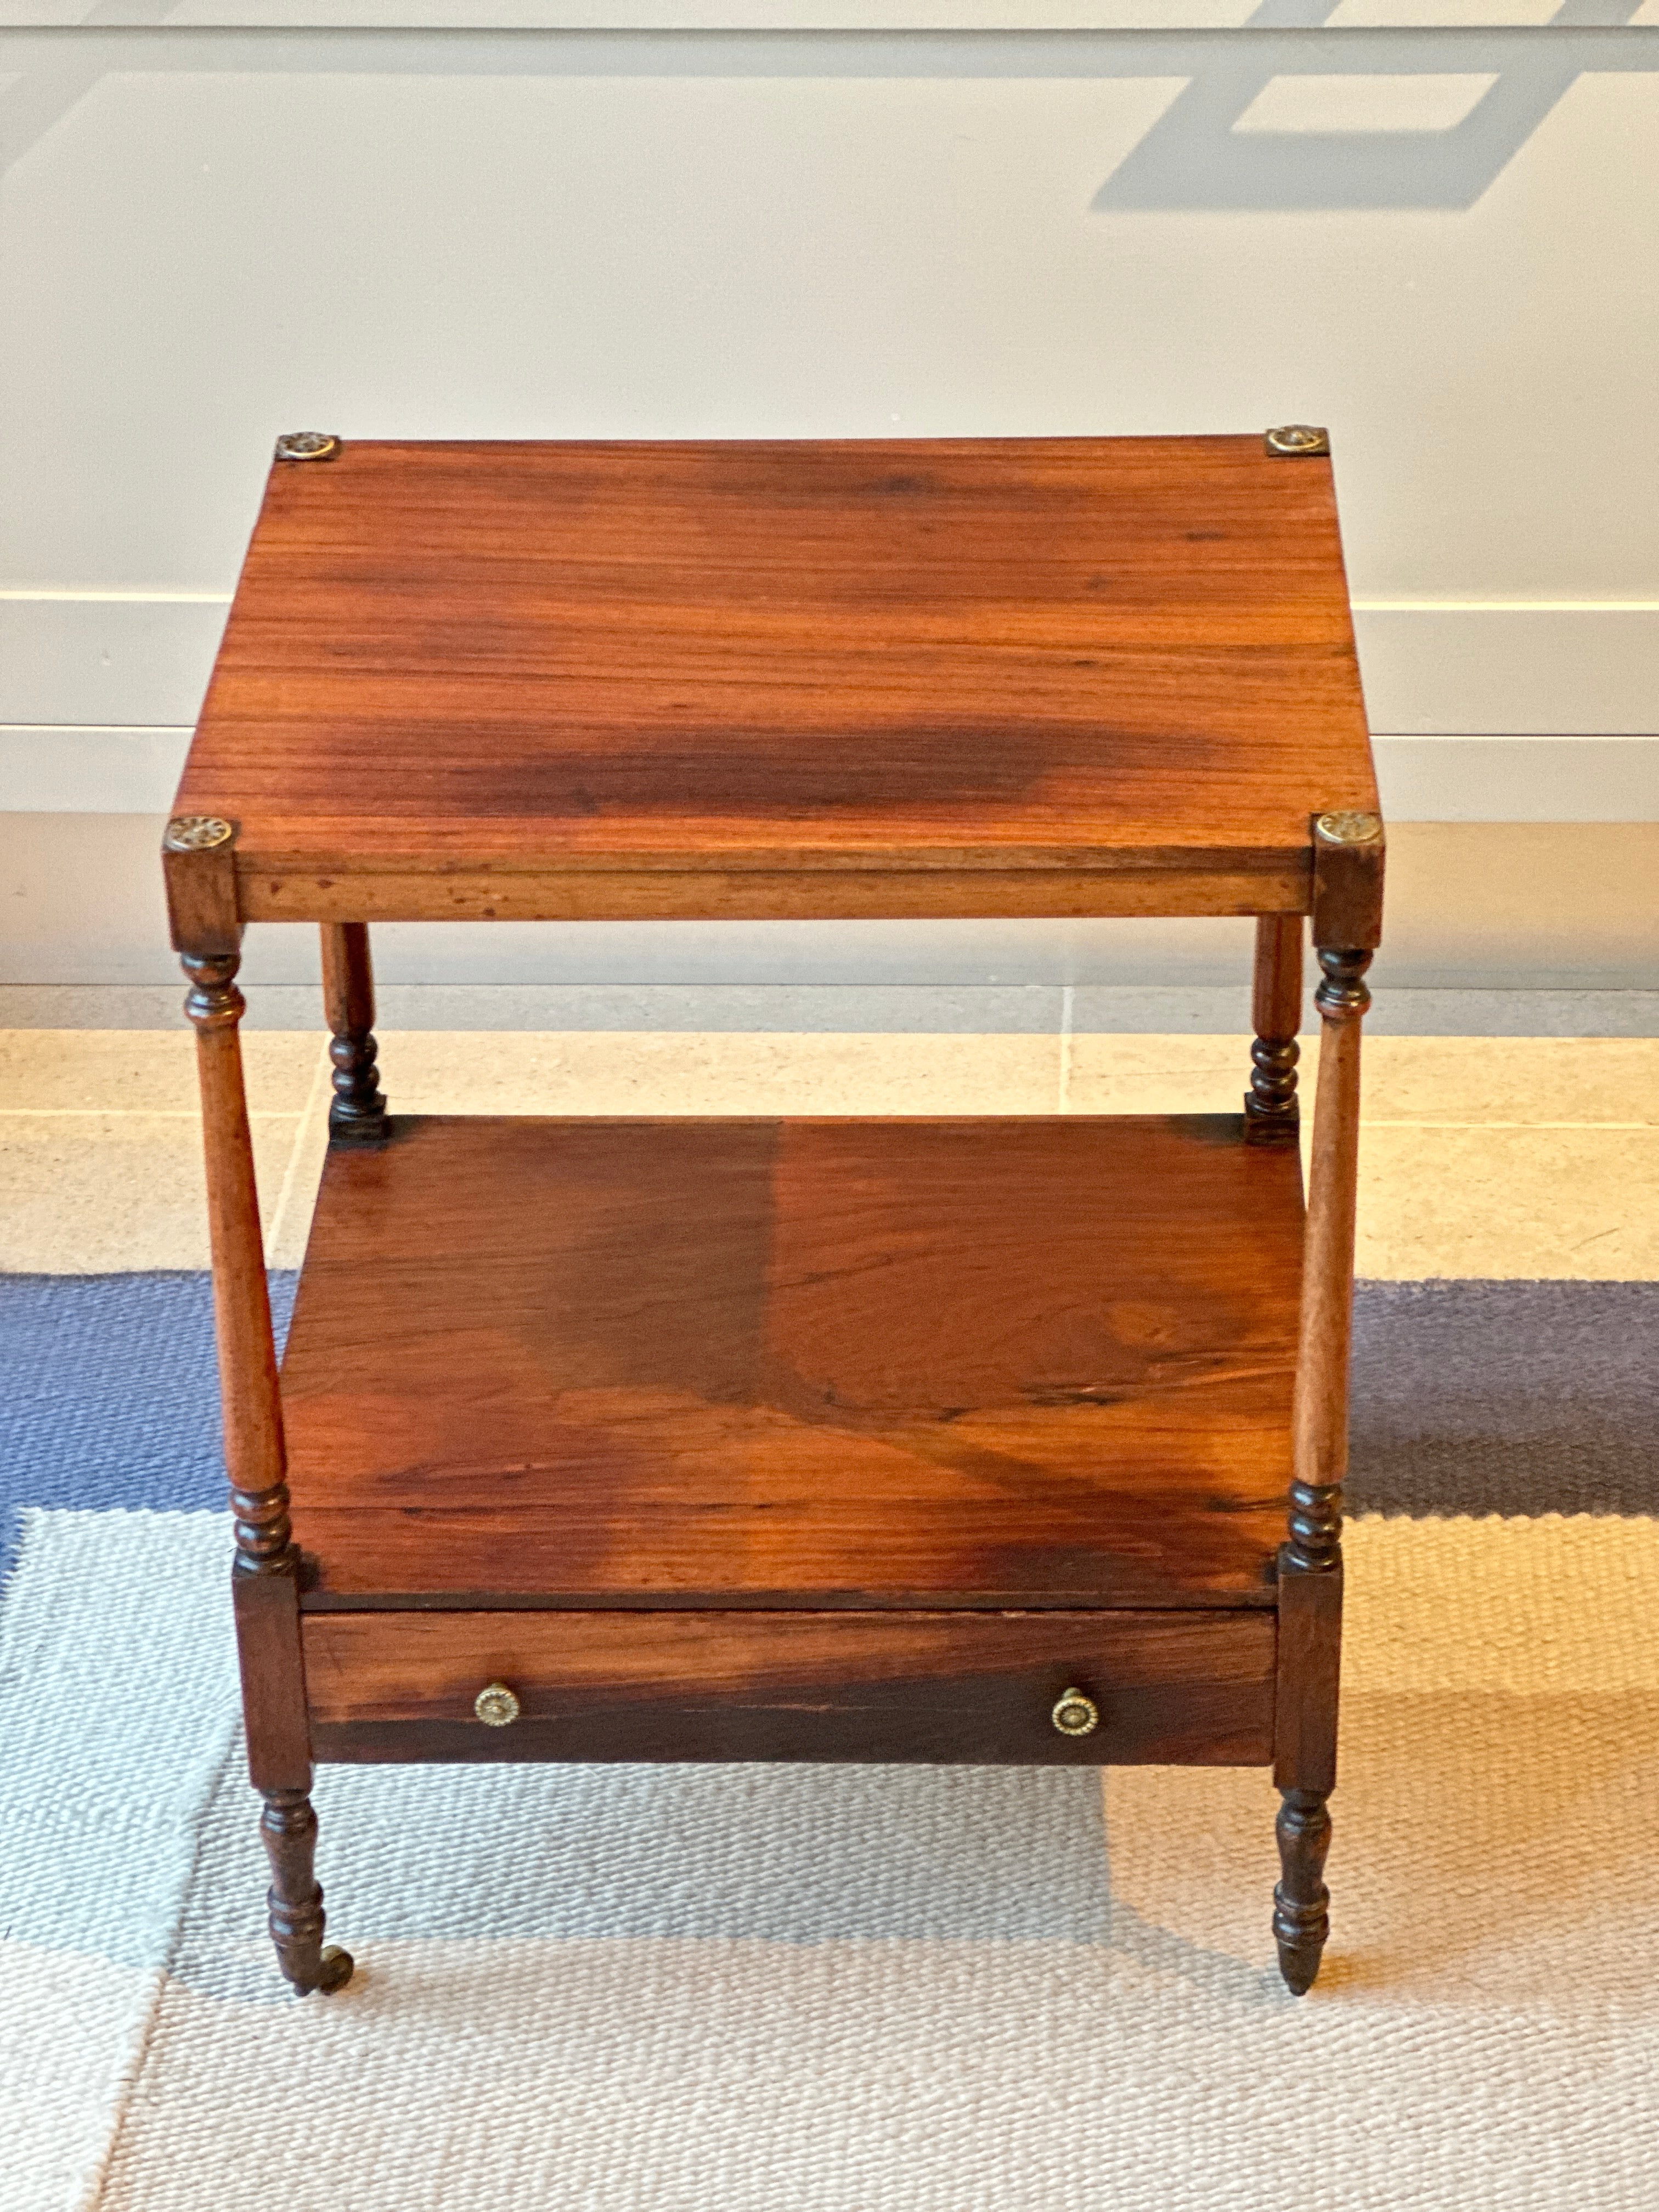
[1169,1688]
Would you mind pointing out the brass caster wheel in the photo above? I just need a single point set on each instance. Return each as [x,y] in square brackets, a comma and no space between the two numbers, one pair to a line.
[336,1966]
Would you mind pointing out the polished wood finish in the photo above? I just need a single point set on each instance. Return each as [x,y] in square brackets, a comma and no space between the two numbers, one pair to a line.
[356,1114]
[287,1828]
[1276,995]
[1270,1105]
[824,894]
[1349,851]
[1310,1562]
[797,1686]
[1309,1655]
[1322,1380]
[1302,1916]
[204,914]
[521,666]
[273,1680]
[265,1580]
[1035,1360]
[251,1404]
[806,1440]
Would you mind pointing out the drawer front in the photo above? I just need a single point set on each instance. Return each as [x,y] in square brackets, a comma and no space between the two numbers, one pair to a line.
[1165,1688]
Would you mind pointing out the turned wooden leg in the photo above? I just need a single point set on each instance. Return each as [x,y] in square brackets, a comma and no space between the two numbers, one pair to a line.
[1271,1114]
[265,1580]
[288,1826]
[1302,1918]
[1310,1562]
[357,1115]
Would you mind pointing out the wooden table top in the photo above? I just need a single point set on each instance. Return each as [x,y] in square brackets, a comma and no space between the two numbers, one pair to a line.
[922,676]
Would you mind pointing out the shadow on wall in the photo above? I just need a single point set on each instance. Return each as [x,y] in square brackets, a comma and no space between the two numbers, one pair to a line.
[1279,112]
[1245,133]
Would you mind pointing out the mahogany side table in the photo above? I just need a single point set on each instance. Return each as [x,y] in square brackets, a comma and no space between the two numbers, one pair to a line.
[1013,1439]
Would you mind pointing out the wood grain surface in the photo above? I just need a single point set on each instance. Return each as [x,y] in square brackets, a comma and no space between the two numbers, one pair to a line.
[250,1396]
[529,662]
[1035,1360]
[1310,1665]
[356,1113]
[806,893]
[1169,1687]
[1270,1111]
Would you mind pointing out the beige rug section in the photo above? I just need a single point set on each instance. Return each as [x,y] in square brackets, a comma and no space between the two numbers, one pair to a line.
[1486,2033]
[1495,1844]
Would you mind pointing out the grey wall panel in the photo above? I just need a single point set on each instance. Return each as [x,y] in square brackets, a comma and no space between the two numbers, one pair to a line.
[1437,239]
[51,769]
[138,661]
[1493,670]
[210,237]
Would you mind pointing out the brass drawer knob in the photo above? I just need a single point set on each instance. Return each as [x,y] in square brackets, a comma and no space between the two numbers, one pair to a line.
[496,1705]
[1076,1714]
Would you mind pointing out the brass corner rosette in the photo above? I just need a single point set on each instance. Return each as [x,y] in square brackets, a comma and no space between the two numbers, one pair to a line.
[1348,826]
[1349,851]
[1298,442]
[198,832]
[308,445]
[198,866]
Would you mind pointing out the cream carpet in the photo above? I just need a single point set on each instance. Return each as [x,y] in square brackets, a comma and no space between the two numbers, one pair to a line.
[857,1990]
[846,1989]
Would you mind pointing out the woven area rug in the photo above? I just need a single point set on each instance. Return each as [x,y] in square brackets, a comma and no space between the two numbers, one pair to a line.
[860,1988]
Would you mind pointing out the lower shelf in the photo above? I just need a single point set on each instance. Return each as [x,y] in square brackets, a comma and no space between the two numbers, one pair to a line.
[1027,1361]
[1169,1688]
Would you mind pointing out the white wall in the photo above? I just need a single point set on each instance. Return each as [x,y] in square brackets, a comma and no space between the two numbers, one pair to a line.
[1438,240]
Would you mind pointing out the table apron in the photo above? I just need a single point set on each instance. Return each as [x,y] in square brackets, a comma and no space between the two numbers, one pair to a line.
[764,895]
[1169,1688]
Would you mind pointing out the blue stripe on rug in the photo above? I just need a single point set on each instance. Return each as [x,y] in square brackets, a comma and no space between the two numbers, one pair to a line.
[109,1394]
[1505,1397]
[1469,1397]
